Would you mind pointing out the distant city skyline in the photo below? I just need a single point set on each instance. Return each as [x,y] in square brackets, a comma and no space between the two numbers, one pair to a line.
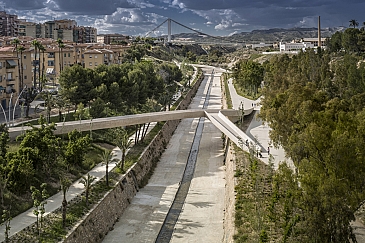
[214,17]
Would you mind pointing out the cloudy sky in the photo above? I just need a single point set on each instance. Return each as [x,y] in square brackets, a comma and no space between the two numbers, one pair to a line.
[214,17]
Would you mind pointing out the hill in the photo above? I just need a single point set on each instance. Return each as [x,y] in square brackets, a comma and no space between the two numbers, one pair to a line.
[270,35]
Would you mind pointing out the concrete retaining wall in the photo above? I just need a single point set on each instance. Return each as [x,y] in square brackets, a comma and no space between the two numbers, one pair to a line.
[101,219]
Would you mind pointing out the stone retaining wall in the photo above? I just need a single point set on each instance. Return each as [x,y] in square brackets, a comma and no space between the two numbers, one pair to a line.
[101,219]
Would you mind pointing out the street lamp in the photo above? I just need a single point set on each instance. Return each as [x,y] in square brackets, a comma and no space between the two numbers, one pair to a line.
[25,87]
[11,98]
[6,121]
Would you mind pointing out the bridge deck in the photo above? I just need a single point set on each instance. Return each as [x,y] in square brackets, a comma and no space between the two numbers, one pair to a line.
[121,121]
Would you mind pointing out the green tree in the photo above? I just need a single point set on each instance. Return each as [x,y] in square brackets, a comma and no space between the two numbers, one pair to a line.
[39,201]
[6,219]
[353,23]
[97,108]
[87,182]
[350,40]
[41,142]
[76,148]
[77,85]
[124,143]
[106,158]
[249,75]
[334,43]
[49,102]
[65,186]
[314,106]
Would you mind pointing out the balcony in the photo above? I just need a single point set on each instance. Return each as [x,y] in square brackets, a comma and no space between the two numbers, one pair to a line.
[10,64]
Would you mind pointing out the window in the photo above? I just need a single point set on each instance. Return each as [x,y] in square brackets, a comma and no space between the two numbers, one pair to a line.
[24,66]
[96,63]
[64,54]
[25,57]
[90,63]
[50,63]
[91,56]
[1,65]
[96,56]
[69,54]
[25,76]
[1,78]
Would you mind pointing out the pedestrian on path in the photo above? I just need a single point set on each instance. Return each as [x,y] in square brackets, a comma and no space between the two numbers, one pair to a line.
[268,150]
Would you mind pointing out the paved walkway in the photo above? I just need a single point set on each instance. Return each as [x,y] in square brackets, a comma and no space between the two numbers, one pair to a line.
[257,130]
[27,218]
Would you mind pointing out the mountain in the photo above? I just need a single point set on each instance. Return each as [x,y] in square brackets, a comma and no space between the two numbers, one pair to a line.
[266,36]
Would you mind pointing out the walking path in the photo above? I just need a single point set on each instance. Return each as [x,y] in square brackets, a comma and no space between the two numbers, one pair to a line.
[27,218]
[257,130]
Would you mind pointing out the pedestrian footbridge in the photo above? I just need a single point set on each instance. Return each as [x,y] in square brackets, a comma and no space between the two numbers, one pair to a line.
[222,119]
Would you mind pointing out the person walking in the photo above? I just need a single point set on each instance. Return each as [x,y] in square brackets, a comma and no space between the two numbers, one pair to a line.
[268,150]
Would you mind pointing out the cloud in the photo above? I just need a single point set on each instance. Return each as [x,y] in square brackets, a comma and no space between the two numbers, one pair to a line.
[215,17]
[23,4]
[92,7]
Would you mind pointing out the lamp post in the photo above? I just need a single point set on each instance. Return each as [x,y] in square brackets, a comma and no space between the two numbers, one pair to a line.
[25,87]
[6,121]
[11,98]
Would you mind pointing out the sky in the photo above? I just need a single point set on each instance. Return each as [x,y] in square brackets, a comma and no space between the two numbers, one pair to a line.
[213,17]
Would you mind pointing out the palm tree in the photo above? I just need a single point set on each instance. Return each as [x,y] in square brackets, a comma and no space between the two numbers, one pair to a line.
[35,43]
[16,42]
[87,181]
[124,143]
[354,23]
[49,103]
[65,185]
[106,157]
[21,75]
[42,78]
[60,103]
[60,46]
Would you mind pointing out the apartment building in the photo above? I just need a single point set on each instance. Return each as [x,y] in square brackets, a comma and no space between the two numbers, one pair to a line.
[50,62]
[113,39]
[31,29]
[65,29]
[9,80]
[8,24]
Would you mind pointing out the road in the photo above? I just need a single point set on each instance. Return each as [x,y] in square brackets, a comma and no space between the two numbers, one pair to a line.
[201,217]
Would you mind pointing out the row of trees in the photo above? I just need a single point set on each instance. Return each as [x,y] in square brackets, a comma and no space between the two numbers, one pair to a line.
[43,157]
[352,40]
[315,107]
[248,75]
[120,89]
